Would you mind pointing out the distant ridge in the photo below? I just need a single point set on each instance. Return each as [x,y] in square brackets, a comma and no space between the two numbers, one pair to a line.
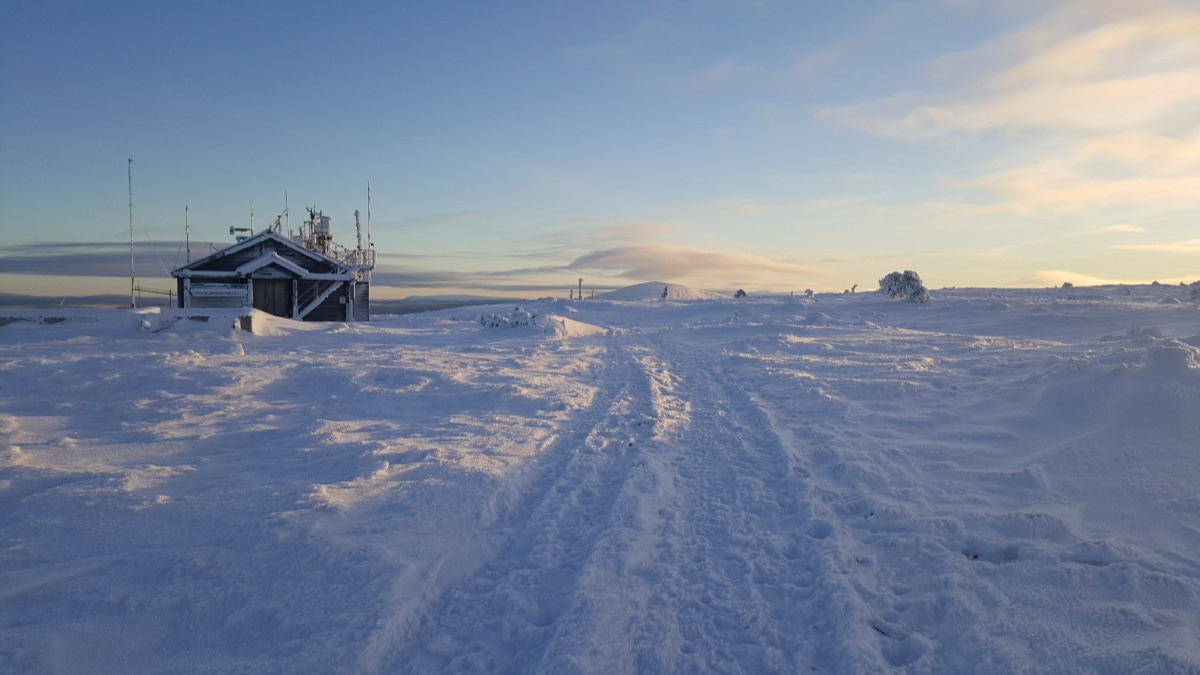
[653,290]
[97,301]
[430,303]
[407,305]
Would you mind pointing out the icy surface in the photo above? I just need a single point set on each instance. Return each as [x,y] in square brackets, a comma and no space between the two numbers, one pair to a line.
[996,481]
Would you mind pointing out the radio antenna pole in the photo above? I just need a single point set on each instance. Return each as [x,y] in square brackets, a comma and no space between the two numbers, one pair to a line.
[187,239]
[129,170]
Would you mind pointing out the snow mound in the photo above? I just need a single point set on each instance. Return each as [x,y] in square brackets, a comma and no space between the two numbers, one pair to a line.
[268,325]
[653,290]
[1157,391]
[552,324]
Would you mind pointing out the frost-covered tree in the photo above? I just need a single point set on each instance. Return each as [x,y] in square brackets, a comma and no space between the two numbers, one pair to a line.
[907,285]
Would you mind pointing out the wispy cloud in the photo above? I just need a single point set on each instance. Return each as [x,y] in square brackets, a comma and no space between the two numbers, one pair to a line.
[1115,169]
[653,261]
[727,73]
[1059,277]
[1082,68]
[608,268]
[1123,228]
[1106,106]
[1097,101]
[1189,247]
[95,259]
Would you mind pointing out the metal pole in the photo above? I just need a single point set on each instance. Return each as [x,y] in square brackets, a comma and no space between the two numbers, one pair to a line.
[129,170]
[187,239]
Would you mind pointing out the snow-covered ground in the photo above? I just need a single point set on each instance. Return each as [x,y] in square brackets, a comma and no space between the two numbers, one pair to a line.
[997,481]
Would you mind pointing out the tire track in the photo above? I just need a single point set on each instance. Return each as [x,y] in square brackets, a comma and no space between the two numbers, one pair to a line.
[745,559]
[506,617]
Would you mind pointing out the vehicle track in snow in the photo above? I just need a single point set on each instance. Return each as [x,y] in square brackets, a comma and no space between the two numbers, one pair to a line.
[671,531]
[504,618]
[743,558]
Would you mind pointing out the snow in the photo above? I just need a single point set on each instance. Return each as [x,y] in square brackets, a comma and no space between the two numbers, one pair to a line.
[653,290]
[995,481]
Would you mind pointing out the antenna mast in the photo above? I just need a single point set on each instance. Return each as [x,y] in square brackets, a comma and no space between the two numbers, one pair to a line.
[129,170]
[187,239]
[369,244]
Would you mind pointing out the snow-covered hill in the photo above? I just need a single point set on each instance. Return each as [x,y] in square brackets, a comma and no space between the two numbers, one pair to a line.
[653,290]
[996,481]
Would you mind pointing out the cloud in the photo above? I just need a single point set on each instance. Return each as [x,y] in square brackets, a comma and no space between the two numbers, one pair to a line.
[1085,67]
[1097,103]
[487,282]
[635,231]
[727,73]
[1122,228]
[1058,277]
[1054,185]
[1188,247]
[1122,43]
[1132,168]
[1108,106]
[639,262]
[95,259]
[654,261]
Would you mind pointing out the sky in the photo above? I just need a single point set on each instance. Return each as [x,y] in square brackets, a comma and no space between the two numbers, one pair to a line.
[514,148]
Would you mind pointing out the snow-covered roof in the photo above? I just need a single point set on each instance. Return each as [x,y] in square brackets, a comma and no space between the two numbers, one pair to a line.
[265,235]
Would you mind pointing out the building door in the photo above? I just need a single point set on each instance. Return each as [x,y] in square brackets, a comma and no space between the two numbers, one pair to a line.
[273,296]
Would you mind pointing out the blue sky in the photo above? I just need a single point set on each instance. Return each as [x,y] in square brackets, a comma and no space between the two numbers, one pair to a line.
[513,148]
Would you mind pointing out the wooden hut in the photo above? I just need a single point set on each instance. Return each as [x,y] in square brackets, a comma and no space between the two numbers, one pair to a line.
[305,277]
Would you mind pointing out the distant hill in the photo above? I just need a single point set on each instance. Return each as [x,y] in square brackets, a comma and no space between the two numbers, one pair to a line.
[653,290]
[14,300]
[407,305]
[430,303]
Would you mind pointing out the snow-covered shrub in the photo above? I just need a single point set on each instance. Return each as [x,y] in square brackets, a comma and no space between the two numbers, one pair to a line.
[907,285]
[517,317]
[740,293]
[1196,290]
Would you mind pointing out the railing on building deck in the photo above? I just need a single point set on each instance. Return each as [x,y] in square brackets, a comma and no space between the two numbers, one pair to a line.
[352,257]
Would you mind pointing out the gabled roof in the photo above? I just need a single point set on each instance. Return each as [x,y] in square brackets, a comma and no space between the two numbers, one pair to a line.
[257,239]
[271,258]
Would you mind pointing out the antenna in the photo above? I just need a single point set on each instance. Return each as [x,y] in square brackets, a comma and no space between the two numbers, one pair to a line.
[187,239]
[369,244]
[129,170]
[287,218]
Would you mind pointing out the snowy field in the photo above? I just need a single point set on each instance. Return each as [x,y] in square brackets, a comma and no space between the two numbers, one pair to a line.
[998,481]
